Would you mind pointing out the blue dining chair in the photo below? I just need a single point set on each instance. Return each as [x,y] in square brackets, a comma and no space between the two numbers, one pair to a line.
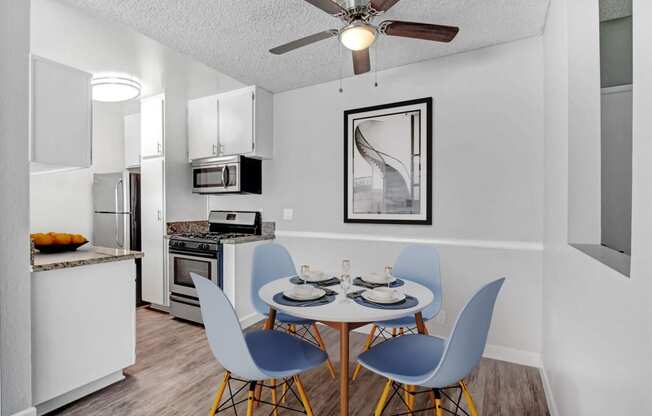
[435,363]
[271,262]
[253,357]
[418,263]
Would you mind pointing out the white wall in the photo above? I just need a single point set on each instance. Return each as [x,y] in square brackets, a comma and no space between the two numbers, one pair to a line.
[487,179]
[63,202]
[597,333]
[584,184]
[15,345]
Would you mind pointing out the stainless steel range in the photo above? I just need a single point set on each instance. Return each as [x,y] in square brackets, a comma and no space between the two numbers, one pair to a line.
[201,253]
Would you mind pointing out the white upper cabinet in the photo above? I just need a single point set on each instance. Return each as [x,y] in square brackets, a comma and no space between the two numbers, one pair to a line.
[132,140]
[152,131]
[202,128]
[237,122]
[61,105]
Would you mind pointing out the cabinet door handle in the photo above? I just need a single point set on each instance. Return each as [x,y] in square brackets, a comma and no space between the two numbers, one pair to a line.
[159,148]
[159,215]
[214,149]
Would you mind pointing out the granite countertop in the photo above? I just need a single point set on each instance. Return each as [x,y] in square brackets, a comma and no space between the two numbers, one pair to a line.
[178,227]
[248,239]
[81,257]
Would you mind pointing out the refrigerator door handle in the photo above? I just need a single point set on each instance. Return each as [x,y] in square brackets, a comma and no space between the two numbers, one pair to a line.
[118,185]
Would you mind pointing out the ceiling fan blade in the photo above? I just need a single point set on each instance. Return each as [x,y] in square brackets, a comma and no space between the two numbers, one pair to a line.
[426,31]
[329,6]
[382,5]
[361,62]
[290,46]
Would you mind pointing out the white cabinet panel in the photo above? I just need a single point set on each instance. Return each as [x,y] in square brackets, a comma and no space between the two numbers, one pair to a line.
[152,121]
[152,173]
[61,107]
[83,329]
[132,140]
[202,127]
[236,122]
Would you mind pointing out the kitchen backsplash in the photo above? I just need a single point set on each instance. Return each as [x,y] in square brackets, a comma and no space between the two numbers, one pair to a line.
[176,227]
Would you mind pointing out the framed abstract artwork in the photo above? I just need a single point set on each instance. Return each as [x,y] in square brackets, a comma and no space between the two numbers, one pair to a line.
[388,163]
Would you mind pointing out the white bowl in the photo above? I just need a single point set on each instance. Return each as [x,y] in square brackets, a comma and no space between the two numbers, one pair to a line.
[304,292]
[383,295]
[314,276]
[378,279]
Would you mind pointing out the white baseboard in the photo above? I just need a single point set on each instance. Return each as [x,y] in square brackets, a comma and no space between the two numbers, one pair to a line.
[511,355]
[247,321]
[30,411]
[550,399]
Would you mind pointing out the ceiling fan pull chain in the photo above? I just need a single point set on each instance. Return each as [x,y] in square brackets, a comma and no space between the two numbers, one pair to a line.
[341,64]
[375,63]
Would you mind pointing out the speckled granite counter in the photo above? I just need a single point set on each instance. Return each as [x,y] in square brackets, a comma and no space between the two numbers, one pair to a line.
[81,257]
[248,239]
[268,228]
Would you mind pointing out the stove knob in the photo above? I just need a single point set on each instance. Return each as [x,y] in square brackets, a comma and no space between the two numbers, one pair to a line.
[181,244]
[204,246]
[173,243]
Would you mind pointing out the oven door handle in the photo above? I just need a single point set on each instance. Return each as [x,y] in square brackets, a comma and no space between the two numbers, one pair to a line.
[186,255]
[185,301]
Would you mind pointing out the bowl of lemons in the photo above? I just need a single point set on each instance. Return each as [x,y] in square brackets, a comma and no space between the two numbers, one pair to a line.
[57,242]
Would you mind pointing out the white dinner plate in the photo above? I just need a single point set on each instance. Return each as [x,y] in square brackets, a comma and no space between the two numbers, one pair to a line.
[315,294]
[369,295]
[314,276]
[377,279]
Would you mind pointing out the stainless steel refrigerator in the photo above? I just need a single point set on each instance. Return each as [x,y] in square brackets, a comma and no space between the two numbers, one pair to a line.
[111,210]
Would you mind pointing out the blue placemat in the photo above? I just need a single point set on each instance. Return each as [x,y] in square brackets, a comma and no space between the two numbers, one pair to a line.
[359,282]
[324,300]
[407,303]
[325,283]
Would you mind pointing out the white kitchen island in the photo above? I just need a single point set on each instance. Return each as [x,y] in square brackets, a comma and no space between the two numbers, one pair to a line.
[83,323]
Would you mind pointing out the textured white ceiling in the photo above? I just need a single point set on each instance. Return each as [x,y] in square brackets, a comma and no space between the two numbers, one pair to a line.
[234,36]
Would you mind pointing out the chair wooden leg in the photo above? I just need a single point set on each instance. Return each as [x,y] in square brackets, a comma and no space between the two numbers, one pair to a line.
[393,332]
[438,408]
[402,331]
[273,388]
[304,396]
[409,398]
[251,399]
[469,399]
[383,398]
[284,392]
[218,395]
[322,345]
[367,345]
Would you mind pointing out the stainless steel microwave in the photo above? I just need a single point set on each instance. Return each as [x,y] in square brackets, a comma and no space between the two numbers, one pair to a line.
[230,174]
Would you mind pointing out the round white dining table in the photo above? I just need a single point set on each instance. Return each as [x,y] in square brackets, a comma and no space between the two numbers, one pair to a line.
[345,315]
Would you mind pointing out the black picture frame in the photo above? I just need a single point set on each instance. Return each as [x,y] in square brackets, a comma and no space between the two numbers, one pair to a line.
[428,152]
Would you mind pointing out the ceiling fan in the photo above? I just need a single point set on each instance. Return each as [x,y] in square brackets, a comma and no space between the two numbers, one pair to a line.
[359,32]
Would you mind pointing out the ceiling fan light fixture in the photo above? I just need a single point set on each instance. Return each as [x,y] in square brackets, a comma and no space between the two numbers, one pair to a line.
[358,36]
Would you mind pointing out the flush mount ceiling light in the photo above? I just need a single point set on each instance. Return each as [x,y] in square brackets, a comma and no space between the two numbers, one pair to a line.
[358,36]
[115,88]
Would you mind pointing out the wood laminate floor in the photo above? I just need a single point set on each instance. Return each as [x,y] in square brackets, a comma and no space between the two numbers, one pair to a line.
[175,374]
